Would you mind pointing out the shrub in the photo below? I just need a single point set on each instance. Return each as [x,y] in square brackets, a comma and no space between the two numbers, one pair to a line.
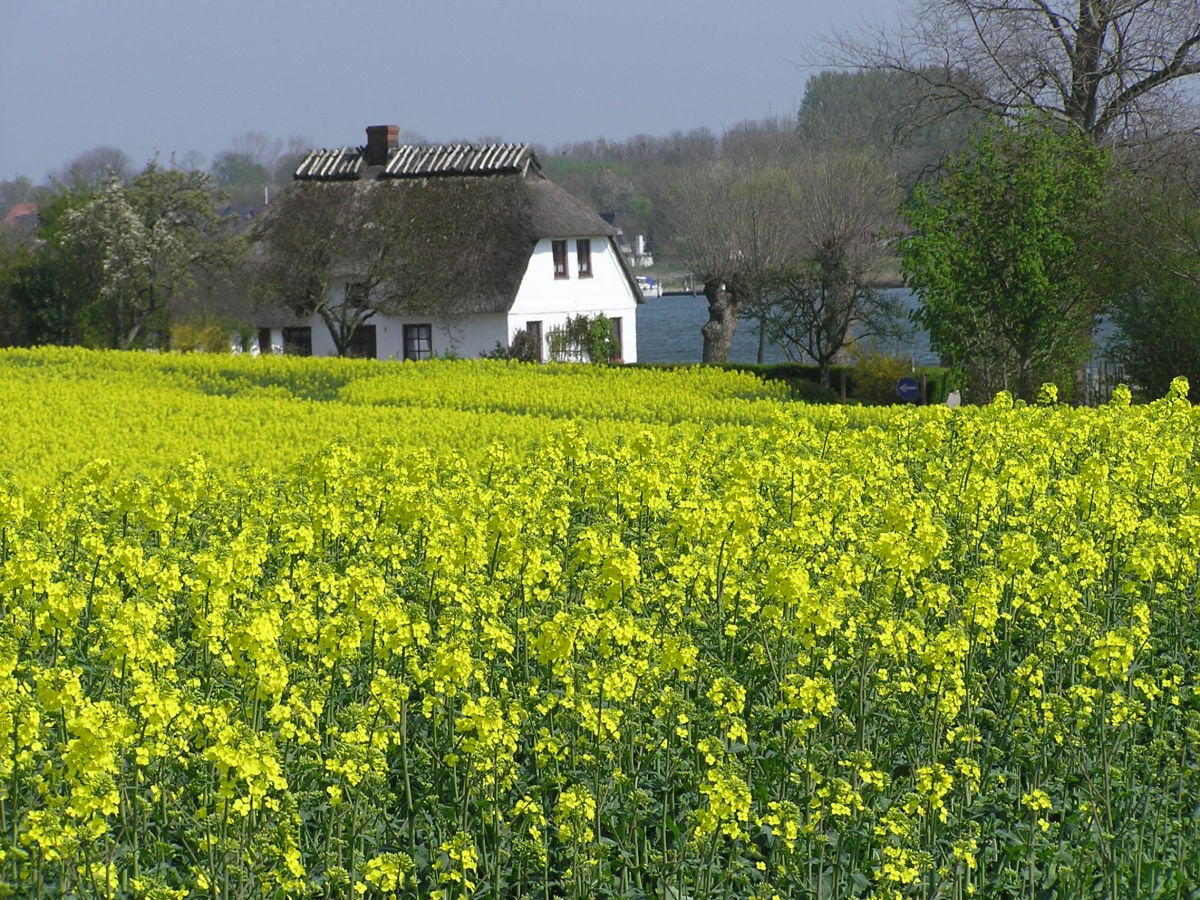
[876,374]
[200,337]
[524,347]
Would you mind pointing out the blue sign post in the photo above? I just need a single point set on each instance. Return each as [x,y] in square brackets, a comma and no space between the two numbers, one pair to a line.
[907,389]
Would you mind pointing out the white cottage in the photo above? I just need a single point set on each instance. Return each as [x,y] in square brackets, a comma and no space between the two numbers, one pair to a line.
[480,246]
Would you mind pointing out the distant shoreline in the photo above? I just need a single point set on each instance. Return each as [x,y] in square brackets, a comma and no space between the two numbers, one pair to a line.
[679,283]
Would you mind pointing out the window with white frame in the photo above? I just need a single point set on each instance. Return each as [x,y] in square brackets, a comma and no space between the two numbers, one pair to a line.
[418,341]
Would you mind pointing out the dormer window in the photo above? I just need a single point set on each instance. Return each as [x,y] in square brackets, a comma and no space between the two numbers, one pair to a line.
[583,251]
[560,258]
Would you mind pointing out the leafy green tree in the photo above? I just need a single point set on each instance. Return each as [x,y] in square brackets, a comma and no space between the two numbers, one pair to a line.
[244,181]
[10,319]
[43,286]
[1006,255]
[230,169]
[1159,332]
[40,306]
[140,246]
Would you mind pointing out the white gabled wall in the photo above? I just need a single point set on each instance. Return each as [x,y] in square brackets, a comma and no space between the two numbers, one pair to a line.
[551,301]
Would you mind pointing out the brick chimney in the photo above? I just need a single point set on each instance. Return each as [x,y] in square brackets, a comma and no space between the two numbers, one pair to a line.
[381,139]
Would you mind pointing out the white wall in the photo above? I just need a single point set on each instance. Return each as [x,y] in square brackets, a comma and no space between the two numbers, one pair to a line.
[552,301]
[465,338]
[458,338]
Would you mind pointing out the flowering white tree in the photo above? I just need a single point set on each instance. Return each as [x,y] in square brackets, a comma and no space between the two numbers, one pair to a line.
[141,245]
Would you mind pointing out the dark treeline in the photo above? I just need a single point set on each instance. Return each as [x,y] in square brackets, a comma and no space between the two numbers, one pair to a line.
[840,112]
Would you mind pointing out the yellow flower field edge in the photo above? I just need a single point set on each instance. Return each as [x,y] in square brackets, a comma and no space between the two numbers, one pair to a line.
[62,407]
[907,653]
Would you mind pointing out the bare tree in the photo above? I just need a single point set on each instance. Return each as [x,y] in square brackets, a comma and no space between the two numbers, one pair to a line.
[258,148]
[307,261]
[731,226]
[1116,69]
[846,203]
[95,167]
[1159,202]
[775,139]
[848,200]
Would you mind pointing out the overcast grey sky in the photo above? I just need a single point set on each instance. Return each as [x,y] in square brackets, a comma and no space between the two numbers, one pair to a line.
[189,77]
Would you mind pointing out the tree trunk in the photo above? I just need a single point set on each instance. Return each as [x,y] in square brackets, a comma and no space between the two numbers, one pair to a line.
[824,366]
[723,310]
[1025,389]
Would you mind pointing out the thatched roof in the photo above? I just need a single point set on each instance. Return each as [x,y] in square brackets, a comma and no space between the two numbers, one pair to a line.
[461,220]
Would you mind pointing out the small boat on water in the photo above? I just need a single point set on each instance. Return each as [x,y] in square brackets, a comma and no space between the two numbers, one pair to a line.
[649,286]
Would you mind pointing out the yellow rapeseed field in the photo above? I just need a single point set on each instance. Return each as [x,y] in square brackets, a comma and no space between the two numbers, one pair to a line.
[320,628]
